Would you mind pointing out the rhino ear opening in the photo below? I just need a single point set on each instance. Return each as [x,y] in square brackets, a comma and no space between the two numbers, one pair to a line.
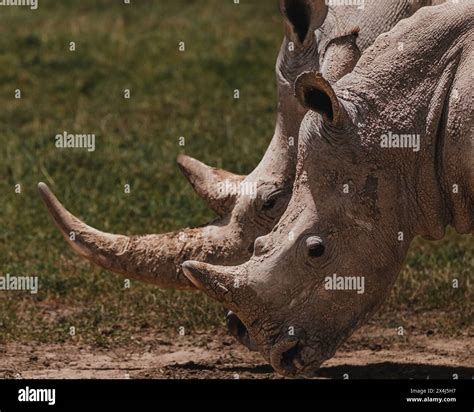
[315,93]
[319,101]
[303,17]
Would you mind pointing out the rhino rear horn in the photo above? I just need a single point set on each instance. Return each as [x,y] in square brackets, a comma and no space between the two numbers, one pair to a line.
[213,185]
[303,17]
[153,259]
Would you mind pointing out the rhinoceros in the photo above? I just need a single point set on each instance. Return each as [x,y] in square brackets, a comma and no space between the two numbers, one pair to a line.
[317,37]
[357,201]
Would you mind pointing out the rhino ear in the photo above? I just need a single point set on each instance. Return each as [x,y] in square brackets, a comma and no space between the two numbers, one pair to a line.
[303,17]
[315,93]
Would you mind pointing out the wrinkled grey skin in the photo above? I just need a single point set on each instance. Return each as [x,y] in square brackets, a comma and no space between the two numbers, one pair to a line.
[424,89]
[323,39]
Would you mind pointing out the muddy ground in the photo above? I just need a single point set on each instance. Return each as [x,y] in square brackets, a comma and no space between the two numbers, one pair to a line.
[373,352]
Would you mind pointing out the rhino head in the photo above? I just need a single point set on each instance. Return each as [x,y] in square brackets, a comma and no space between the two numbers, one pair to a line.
[317,38]
[248,206]
[280,294]
[356,205]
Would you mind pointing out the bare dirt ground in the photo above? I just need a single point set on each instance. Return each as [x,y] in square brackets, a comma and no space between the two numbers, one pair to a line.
[373,352]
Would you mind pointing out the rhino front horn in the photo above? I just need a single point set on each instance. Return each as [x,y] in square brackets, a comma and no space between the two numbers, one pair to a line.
[219,282]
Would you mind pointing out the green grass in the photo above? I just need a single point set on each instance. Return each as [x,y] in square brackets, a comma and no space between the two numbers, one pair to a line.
[174,94]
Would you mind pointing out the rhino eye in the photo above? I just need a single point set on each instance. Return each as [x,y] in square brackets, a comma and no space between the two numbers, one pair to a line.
[269,204]
[315,246]
[272,201]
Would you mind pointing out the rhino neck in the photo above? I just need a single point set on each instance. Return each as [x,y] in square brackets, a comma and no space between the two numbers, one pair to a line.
[435,173]
[424,99]
[443,175]
[454,149]
[442,185]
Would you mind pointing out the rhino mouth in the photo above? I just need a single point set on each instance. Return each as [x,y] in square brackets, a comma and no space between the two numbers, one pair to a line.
[288,357]
[295,359]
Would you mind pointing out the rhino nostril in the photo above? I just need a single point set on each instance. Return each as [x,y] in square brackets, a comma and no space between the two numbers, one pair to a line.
[239,331]
[235,325]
